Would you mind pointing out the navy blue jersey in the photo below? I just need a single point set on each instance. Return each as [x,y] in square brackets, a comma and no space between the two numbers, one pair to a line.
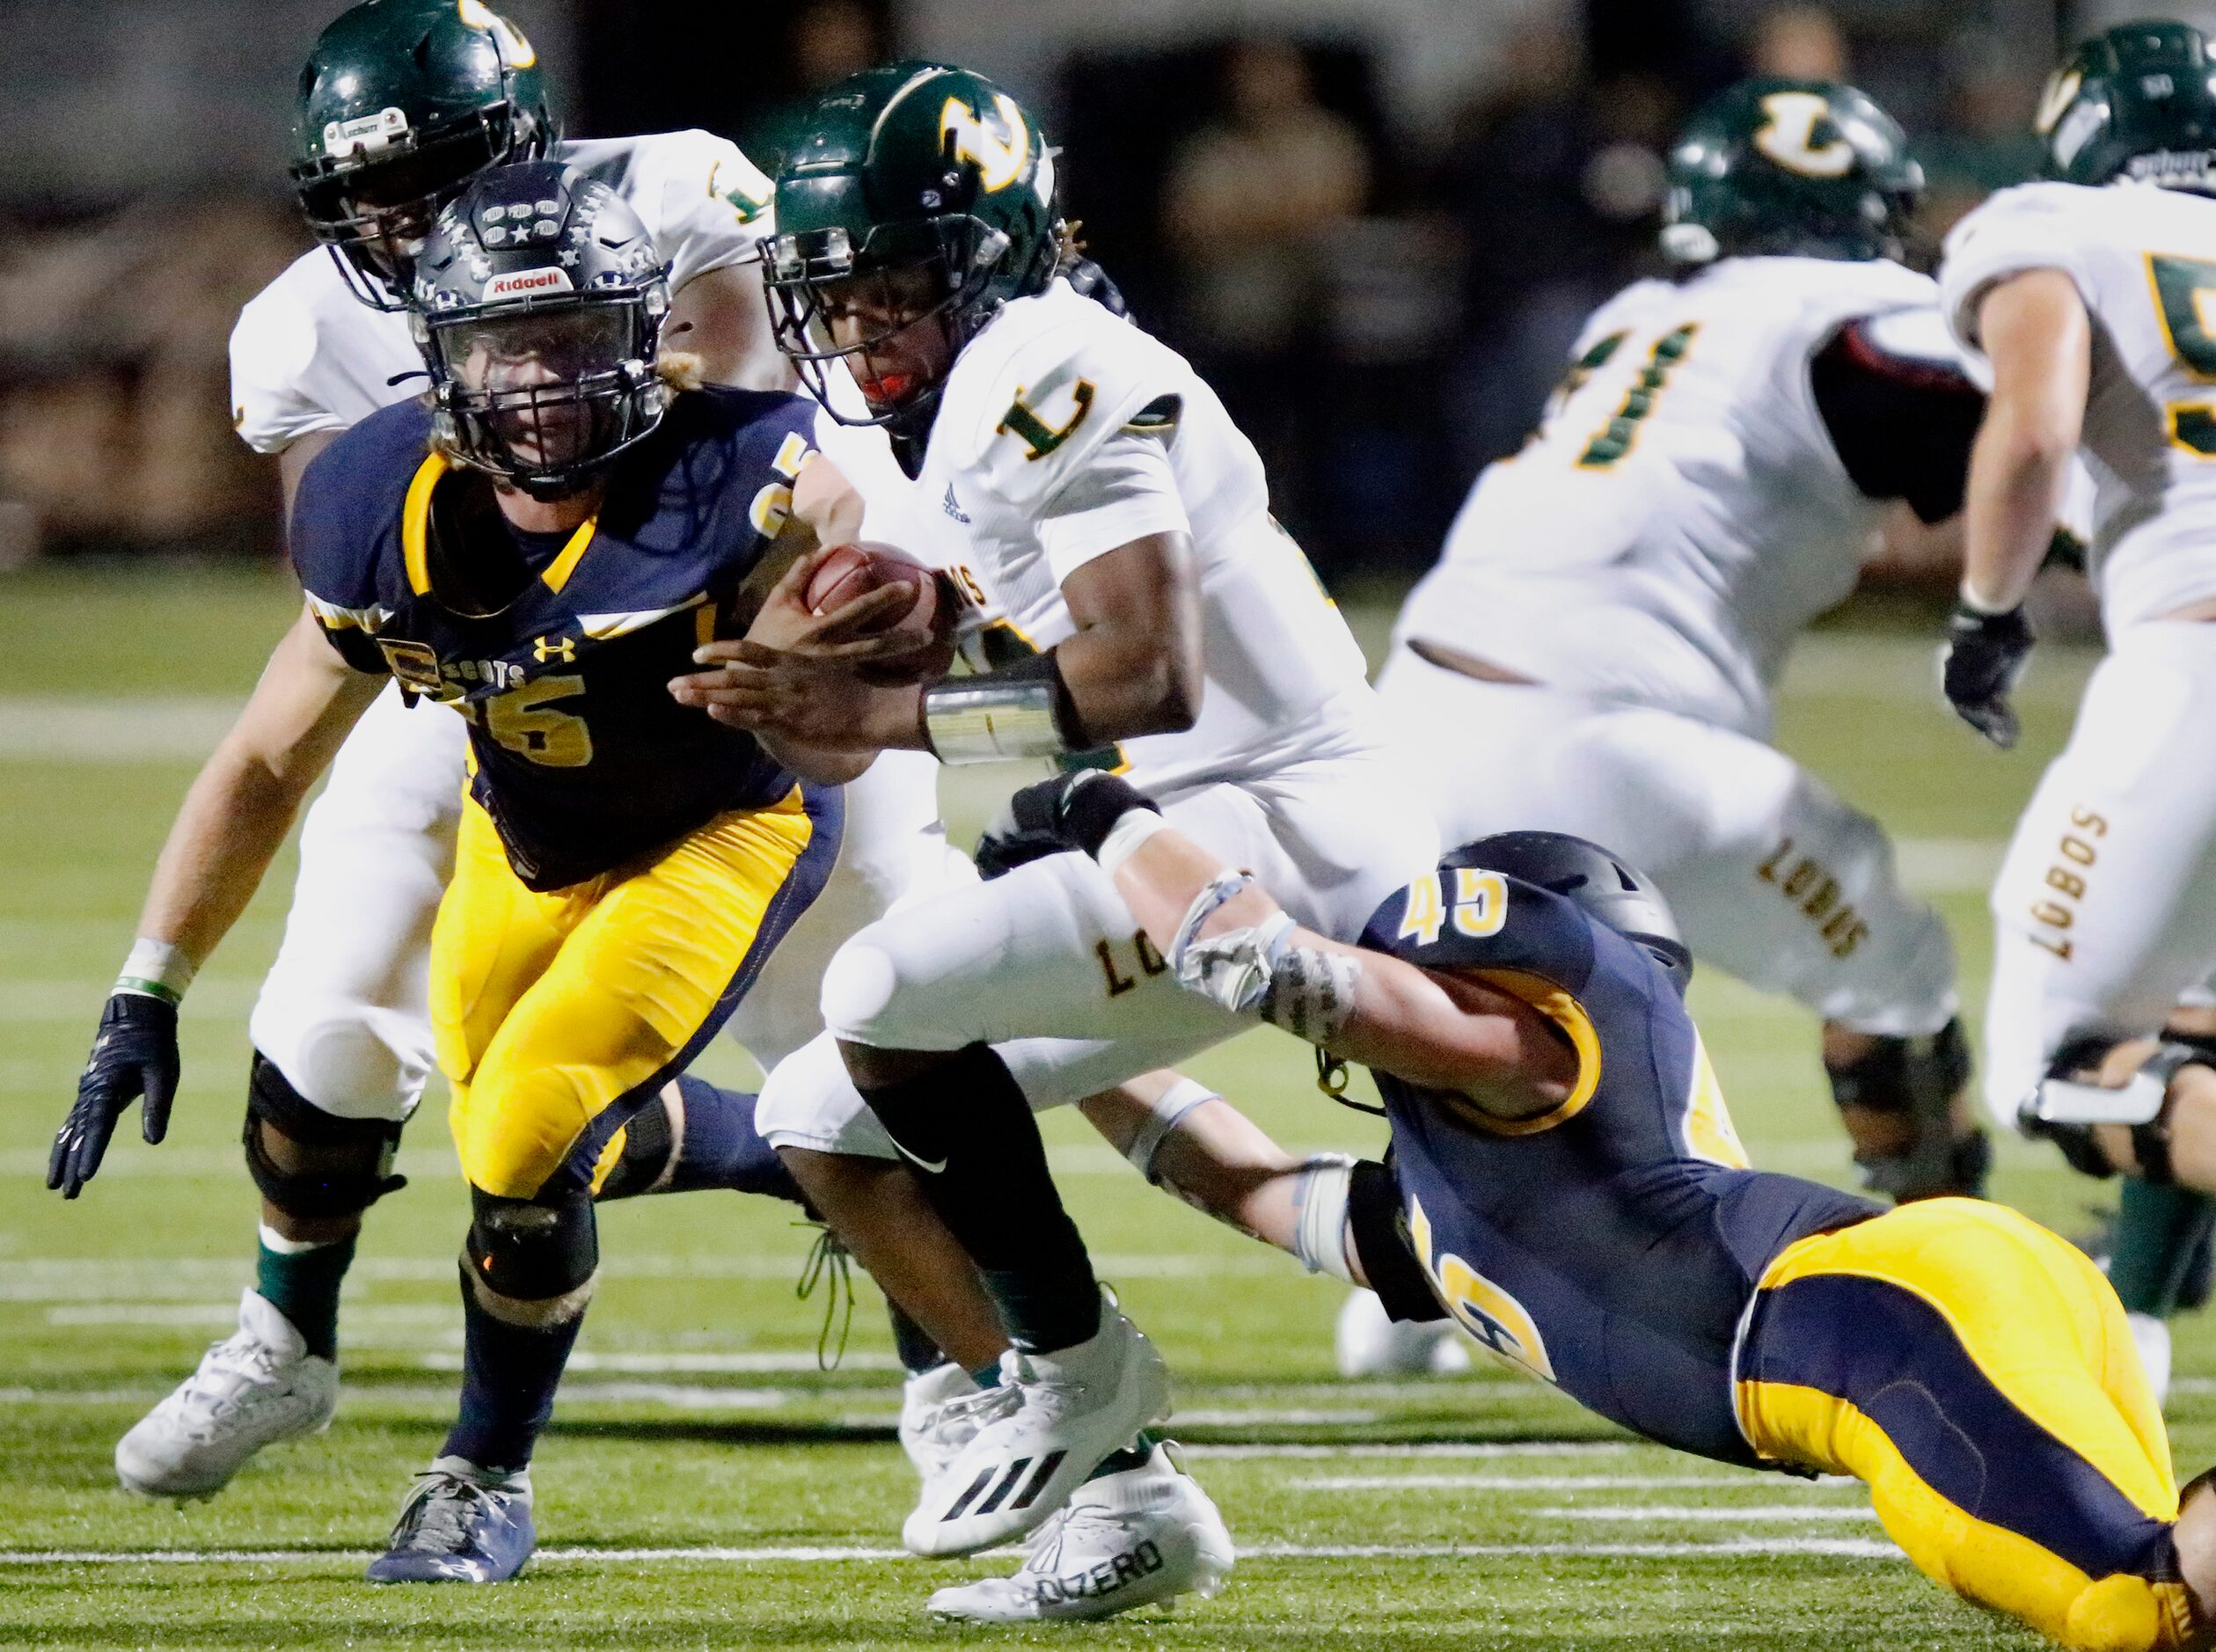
[1611,1245]
[583,759]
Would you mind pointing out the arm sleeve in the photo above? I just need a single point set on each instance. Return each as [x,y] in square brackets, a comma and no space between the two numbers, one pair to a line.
[1126,490]
[1901,412]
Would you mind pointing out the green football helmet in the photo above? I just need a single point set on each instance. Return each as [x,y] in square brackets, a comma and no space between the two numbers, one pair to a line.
[402,102]
[913,193]
[1793,168]
[2136,102]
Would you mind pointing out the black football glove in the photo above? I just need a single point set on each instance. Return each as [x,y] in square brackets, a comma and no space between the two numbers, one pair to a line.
[1070,811]
[134,1055]
[1092,282]
[1978,668]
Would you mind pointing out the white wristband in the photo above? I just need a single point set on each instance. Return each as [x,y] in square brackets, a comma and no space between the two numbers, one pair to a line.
[1131,830]
[1319,1215]
[156,969]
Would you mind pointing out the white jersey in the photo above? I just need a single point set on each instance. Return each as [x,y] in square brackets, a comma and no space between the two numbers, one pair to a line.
[2144,261]
[308,355]
[1065,431]
[1681,514]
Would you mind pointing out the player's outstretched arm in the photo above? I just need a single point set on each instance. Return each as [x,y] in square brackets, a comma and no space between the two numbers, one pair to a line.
[2035,330]
[232,824]
[1227,939]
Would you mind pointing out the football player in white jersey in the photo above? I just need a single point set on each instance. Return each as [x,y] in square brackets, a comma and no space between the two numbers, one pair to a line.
[2090,296]
[1595,651]
[1155,618]
[402,102]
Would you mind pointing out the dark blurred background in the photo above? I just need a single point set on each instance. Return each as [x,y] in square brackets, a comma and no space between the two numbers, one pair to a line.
[1374,224]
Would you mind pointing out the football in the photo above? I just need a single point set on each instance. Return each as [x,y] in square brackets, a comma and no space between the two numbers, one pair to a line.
[853,570]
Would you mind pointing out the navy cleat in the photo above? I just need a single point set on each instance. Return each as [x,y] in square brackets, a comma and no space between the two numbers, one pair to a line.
[460,1526]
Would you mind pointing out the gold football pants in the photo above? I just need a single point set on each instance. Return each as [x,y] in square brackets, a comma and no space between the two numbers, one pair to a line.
[1978,1373]
[558,1015]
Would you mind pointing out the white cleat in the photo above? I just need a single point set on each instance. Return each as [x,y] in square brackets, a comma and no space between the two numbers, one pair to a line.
[1040,1434]
[256,1387]
[934,1426]
[2152,1337]
[1370,1344]
[1133,1538]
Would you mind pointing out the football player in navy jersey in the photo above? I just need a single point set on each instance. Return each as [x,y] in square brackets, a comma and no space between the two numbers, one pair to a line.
[542,545]
[1564,1179]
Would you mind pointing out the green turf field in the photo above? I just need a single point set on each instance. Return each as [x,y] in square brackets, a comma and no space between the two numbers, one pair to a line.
[704,1484]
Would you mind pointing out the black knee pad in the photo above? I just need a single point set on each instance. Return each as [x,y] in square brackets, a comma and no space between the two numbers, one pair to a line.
[352,1166]
[530,1251]
[1381,1245]
[1917,1079]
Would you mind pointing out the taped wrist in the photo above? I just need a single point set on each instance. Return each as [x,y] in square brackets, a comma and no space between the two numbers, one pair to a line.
[1381,1246]
[1023,710]
[530,1263]
[345,1165]
[156,969]
[1319,1215]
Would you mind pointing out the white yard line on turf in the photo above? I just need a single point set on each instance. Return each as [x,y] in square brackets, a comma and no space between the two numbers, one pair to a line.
[77,1280]
[1751,1511]
[1557,1482]
[1423,1448]
[1730,1548]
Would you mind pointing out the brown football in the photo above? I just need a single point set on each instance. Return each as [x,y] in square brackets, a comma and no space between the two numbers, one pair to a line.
[925,625]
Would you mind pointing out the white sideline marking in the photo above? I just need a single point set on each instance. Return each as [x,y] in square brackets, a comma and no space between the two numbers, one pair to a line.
[1423,1448]
[1731,1548]
[165,728]
[215,1315]
[198,1279]
[1548,1482]
[1752,1511]
[1235,1417]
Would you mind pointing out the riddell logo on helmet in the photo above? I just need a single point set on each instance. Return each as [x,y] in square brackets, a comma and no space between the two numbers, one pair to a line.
[523,283]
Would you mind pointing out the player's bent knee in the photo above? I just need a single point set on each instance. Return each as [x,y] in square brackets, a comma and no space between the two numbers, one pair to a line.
[311,1164]
[857,988]
[809,1101]
[337,1059]
[532,1262]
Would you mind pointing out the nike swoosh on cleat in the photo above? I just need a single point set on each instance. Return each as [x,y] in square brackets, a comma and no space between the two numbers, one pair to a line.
[923,1165]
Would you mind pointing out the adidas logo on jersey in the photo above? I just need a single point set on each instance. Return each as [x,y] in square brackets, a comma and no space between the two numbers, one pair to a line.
[523,283]
[953,507]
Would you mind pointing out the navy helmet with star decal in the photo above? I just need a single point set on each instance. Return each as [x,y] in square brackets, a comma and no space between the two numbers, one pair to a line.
[539,303]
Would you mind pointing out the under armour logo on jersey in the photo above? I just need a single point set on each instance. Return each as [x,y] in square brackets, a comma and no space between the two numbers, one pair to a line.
[953,507]
[562,648]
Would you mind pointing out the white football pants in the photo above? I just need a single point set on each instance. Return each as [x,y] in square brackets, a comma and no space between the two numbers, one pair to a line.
[344,1012]
[2104,913]
[1048,964]
[1773,877]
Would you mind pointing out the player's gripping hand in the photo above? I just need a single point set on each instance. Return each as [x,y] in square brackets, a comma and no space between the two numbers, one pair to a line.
[1984,657]
[134,1054]
[1070,811]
